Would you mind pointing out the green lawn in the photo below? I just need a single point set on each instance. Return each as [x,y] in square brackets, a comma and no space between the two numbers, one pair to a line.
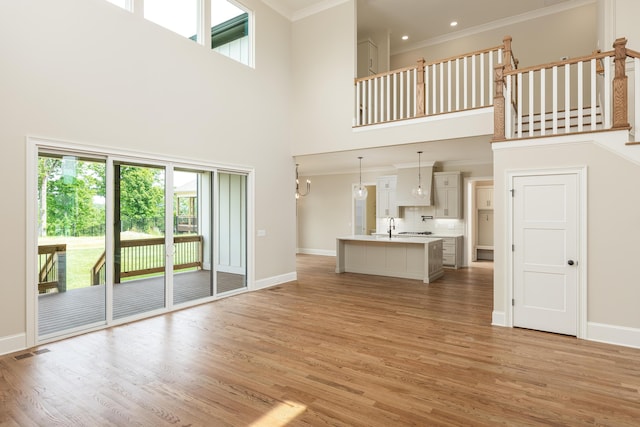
[82,254]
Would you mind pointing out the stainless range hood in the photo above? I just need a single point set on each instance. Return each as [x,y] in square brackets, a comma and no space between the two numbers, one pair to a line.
[408,179]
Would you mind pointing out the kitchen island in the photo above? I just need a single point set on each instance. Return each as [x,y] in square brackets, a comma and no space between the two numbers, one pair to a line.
[406,257]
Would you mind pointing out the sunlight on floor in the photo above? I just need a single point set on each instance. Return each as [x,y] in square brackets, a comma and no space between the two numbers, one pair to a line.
[281,415]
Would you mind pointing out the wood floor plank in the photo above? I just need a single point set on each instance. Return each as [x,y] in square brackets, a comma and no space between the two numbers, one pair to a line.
[327,350]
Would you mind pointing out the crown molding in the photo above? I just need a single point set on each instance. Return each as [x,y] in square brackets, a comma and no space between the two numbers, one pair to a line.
[302,13]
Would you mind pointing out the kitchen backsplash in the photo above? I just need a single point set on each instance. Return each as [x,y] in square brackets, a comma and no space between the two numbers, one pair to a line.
[412,221]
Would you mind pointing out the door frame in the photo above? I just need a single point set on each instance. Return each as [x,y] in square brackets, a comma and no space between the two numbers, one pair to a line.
[111,154]
[581,303]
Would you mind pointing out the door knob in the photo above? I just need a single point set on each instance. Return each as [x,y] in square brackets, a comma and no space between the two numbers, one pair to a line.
[570,262]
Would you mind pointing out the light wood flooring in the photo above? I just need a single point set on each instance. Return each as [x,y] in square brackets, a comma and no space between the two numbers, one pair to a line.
[326,350]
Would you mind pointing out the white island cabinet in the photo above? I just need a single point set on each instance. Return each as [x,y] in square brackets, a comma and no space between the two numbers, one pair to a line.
[410,258]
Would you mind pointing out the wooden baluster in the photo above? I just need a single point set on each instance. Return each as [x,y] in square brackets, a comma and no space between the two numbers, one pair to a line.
[420,90]
[620,96]
[498,103]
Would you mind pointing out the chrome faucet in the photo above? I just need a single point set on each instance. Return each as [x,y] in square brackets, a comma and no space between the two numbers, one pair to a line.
[392,225]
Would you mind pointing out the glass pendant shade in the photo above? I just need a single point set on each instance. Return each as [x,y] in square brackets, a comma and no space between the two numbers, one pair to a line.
[419,192]
[360,192]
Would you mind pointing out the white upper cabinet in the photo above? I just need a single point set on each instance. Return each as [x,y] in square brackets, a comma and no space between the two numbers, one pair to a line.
[484,197]
[386,197]
[367,58]
[448,194]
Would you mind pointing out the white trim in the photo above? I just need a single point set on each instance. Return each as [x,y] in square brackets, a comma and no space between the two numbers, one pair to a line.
[498,24]
[274,280]
[295,15]
[321,252]
[470,205]
[498,318]
[111,155]
[31,245]
[612,334]
[13,343]
[426,119]
[581,172]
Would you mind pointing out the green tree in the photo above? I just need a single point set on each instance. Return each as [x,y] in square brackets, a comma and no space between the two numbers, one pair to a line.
[141,193]
[73,199]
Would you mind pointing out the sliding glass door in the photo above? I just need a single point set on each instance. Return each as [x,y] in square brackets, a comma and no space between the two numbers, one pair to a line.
[232,232]
[121,239]
[139,260]
[71,243]
[193,235]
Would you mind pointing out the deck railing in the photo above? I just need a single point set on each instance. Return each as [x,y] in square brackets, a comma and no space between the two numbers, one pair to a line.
[582,94]
[139,257]
[448,85]
[52,267]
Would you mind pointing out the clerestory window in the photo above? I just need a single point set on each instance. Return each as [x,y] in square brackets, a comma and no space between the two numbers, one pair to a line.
[230,30]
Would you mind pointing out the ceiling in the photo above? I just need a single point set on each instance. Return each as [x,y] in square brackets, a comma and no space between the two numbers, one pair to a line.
[423,21]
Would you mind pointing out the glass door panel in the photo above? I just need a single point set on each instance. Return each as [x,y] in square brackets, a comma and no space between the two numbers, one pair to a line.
[71,244]
[192,235]
[139,240]
[232,232]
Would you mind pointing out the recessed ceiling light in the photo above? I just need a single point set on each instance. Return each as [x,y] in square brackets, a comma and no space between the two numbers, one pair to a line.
[453,23]
[405,37]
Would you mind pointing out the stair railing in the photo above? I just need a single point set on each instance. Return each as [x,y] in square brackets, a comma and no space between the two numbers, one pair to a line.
[583,94]
[447,85]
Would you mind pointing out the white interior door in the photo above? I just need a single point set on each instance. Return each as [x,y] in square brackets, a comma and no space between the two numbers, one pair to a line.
[545,250]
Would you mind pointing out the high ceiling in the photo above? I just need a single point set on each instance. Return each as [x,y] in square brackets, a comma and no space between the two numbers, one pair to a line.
[423,21]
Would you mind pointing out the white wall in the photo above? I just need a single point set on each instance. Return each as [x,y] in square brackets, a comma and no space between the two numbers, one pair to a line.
[89,72]
[537,41]
[328,213]
[613,215]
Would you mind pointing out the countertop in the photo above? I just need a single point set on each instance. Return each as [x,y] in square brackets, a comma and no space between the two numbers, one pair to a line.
[426,236]
[394,239]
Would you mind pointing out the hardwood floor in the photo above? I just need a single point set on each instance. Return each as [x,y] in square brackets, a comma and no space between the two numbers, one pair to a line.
[327,350]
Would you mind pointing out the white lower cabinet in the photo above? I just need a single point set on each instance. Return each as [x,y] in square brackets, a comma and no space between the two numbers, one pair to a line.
[452,251]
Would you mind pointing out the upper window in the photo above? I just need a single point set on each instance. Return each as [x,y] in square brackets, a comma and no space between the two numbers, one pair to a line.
[230,30]
[178,16]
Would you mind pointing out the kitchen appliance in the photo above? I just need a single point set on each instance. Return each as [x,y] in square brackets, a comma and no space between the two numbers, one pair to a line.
[415,233]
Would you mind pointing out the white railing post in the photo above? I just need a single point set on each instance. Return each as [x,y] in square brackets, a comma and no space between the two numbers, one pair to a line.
[594,105]
[567,98]
[554,94]
[606,113]
[636,96]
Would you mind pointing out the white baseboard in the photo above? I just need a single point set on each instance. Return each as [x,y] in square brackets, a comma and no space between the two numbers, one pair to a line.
[273,281]
[612,334]
[498,318]
[13,343]
[322,252]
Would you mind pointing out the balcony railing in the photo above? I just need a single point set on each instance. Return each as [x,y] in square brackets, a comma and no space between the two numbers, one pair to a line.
[140,257]
[52,268]
[584,94]
[445,86]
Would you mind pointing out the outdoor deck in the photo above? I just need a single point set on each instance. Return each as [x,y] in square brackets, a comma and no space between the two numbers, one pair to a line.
[86,306]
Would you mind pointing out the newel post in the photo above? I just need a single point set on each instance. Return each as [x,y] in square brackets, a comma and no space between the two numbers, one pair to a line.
[420,90]
[507,54]
[620,91]
[498,103]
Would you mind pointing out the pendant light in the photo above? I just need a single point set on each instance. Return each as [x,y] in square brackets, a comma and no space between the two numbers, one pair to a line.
[298,193]
[419,192]
[361,192]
